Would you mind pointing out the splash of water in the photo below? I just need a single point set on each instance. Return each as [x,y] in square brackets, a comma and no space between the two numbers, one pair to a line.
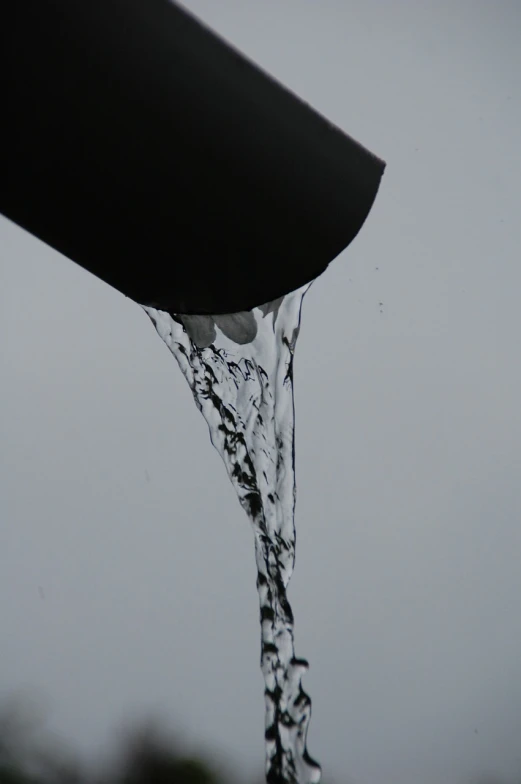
[240,370]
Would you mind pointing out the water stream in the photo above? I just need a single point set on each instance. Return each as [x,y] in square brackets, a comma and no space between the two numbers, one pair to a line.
[240,370]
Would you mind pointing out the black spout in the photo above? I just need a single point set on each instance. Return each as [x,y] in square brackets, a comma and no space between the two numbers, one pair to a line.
[140,145]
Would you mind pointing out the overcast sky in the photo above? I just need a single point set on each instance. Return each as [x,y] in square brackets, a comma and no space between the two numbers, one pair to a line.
[117,595]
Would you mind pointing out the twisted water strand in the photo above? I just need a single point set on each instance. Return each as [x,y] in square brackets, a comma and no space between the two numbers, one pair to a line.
[240,371]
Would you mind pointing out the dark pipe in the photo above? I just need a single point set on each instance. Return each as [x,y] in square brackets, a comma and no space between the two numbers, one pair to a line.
[141,146]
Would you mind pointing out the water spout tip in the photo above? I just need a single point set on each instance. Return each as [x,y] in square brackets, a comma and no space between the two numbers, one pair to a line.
[190,180]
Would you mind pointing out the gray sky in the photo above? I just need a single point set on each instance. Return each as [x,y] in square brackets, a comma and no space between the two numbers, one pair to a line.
[117,596]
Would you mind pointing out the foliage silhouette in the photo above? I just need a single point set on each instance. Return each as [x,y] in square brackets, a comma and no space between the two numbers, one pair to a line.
[147,755]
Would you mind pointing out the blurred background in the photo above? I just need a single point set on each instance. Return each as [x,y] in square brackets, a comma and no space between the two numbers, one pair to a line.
[127,576]
[143,751]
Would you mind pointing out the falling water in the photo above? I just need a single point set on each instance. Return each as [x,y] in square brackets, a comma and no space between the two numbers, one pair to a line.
[240,370]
